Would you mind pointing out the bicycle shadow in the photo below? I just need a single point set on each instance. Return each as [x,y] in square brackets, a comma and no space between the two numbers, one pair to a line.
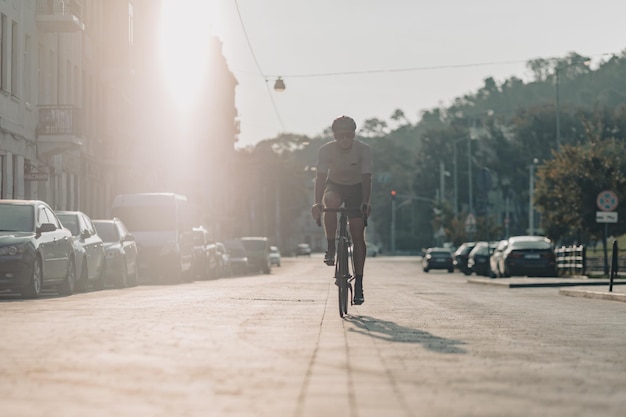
[392,332]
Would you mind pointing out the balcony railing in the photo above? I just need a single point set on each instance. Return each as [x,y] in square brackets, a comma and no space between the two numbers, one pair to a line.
[59,15]
[59,120]
[59,129]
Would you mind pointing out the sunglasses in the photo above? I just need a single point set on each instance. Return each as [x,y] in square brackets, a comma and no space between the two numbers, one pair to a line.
[345,135]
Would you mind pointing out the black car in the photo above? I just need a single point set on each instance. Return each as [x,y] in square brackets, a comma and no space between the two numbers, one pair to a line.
[36,251]
[478,258]
[437,258]
[528,255]
[460,257]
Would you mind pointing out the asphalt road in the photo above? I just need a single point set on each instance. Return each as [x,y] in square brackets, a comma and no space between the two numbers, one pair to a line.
[423,344]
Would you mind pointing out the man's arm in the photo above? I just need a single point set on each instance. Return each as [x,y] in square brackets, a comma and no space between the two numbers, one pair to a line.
[320,184]
[366,184]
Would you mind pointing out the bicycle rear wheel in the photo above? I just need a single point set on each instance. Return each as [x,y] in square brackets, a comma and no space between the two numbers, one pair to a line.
[342,275]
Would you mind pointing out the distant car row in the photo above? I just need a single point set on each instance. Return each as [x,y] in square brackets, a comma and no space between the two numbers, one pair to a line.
[516,256]
[68,251]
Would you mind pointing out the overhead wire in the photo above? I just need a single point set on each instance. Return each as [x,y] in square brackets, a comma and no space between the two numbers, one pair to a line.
[256,62]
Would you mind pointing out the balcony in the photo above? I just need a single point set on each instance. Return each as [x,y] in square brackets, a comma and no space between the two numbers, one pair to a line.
[59,130]
[59,16]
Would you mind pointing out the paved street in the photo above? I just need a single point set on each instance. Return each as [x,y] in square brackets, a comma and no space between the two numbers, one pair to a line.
[274,345]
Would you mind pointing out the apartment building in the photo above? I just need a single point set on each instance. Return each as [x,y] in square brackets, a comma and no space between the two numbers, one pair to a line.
[77,82]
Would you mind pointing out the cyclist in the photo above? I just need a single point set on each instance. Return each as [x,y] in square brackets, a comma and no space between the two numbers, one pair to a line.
[344,175]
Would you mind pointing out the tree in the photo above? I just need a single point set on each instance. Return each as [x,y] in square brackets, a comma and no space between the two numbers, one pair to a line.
[568,185]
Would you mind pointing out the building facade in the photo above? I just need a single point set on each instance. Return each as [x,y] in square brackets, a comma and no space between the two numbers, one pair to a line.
[77,125]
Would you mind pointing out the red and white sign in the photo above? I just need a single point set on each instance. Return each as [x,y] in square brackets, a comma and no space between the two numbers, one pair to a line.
[607,200]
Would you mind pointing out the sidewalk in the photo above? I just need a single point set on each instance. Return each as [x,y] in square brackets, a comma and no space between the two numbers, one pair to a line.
[588,287]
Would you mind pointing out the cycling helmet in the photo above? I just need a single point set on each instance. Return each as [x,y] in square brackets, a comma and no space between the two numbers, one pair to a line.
[343,124]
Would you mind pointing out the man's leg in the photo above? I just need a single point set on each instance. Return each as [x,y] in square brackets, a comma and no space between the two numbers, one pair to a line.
[357,231]
[332,199]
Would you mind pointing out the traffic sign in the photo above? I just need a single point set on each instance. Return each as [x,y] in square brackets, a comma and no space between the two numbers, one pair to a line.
[607,200]
[470,223]
[606,217]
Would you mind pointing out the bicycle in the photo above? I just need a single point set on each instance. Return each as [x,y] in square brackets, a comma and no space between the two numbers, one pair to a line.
[345,261]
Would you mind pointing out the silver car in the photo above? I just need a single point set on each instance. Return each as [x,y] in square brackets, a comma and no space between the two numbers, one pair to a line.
[122,267]
[88,249]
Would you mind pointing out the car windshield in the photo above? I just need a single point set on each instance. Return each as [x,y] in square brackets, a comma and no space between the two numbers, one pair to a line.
[533,244]
[71,222]
[148,218]
[198,238]
[254,245]
[107,231]
[237,252]
[16,218]
[440,254]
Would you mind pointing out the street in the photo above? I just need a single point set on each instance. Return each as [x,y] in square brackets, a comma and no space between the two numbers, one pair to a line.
[423,344]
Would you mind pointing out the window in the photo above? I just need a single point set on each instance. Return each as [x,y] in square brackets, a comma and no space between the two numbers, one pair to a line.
[14,59]
[26,80]
[4,39]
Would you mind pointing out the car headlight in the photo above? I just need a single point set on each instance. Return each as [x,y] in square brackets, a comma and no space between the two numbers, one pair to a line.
[11,250]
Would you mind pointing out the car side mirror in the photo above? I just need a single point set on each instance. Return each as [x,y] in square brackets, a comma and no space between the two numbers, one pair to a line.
[129,238]
[46,227]
[85,234]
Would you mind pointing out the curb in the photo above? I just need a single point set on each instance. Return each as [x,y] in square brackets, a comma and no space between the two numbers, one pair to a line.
[542,282]
[599,295]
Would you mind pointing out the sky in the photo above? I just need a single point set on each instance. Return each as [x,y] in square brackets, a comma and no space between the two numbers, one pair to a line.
[367,58]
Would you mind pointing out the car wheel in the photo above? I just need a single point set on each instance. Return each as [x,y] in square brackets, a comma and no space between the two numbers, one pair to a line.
[122,281]
[98,283]
[33,289]
[81,283]
[450,270]
[133,279]
[67,286]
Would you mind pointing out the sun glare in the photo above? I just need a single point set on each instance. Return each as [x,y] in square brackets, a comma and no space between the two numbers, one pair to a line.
[185,35]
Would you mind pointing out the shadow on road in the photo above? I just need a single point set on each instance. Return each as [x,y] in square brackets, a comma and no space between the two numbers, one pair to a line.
[392,332]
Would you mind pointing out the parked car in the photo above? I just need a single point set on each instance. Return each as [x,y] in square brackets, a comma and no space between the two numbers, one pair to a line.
[478,258]
[528,255]
[274,255]
[89,256]
[303,249]
[494,259]
[437,258]
[238,260]
[36,251]
[121,267]
[205,262]
[224,260]
[258,252]
[460,257]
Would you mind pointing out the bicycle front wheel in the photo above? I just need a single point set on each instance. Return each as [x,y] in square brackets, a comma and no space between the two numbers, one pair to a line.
[342,274]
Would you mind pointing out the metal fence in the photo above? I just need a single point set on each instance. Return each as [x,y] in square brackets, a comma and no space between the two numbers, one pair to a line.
[575,260]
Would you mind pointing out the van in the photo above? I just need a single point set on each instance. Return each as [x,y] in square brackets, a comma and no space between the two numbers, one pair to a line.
[162,226]
[258,251]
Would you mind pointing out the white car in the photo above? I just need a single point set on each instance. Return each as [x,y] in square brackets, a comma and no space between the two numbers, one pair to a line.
[274,256]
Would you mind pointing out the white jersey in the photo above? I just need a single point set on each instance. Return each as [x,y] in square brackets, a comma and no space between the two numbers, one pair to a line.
[345,166]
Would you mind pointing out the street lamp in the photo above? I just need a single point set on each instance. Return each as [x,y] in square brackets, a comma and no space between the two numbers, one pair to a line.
[279,85]
[531,191]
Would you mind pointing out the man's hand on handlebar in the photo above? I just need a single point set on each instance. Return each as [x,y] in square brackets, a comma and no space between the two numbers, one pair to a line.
[316,212]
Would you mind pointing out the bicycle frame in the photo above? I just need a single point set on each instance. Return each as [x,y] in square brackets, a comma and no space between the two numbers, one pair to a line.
[344,262]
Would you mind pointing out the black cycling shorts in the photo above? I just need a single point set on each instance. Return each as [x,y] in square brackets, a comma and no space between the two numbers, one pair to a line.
[351,195]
